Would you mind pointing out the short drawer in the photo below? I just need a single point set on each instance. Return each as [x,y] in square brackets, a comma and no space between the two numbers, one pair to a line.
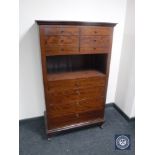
[61,121]
[60,30]
[90,104]
[85,50]
[95,30]
[95,41]
[65,108]
[62,50]
[61,40]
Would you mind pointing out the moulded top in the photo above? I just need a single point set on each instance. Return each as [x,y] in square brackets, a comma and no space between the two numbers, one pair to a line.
[47,22]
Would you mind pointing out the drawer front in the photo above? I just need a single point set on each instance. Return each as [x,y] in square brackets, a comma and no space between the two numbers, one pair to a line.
[95,41]
[95,30]
[61,50]
[89,104]
[76,83]
[60,30]
[75,95]
[61,40]
[77,106]
[65,108]
[86,50]
[72,119]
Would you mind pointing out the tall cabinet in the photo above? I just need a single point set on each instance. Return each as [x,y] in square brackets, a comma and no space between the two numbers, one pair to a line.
[75,66]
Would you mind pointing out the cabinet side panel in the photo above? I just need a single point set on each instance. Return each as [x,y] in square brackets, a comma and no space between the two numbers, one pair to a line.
[108,67]
[44,70]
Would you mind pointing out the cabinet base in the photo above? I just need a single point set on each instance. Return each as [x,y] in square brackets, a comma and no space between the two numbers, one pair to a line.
[51,132]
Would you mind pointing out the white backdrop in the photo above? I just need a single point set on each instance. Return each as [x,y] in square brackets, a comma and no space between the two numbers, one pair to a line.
[31,101]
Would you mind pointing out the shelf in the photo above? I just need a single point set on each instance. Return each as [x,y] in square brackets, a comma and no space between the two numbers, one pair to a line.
[74,75]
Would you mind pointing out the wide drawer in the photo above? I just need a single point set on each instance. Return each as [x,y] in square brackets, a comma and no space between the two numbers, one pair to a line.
[76,83]
[95,30]
[73,95]
[62,50]
[60,30]
[73,119]
[76,106]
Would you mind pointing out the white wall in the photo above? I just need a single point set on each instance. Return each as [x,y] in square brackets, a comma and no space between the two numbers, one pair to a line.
[126,88]
[31,86]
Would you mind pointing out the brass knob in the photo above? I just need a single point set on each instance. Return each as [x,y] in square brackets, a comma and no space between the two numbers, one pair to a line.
[78,92]
[76,84]
[77,115]
[77,103]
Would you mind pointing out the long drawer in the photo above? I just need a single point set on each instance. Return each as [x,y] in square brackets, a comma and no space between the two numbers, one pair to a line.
[70,95]
[76,83]
[76,106]
[73,119]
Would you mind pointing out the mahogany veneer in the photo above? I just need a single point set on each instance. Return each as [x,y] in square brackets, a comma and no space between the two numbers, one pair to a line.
[75,64]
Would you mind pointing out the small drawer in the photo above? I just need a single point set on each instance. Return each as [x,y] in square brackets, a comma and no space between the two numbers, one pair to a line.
[90,104]
[95,41]
[65,108]
[61,121]
[95,30]
[60,30]
[61,50]
[61,40]
[91,92]
[90,115]
[105,49]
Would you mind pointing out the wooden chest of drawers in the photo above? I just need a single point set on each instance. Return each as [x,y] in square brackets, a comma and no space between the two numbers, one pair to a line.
[75,64]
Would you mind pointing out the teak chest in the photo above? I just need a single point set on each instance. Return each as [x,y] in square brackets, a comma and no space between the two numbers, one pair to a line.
[75,65]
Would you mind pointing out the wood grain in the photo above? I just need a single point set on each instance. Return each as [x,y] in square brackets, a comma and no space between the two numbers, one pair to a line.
[75,66]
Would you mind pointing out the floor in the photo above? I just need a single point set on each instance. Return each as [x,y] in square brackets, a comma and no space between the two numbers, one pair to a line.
[88,141]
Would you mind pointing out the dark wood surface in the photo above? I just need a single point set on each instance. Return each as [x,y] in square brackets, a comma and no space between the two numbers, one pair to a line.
[79,23]
[75,65]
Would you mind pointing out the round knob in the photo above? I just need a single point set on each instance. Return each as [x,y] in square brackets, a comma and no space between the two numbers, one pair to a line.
[95,32]
[94,48]
[77,103]
[78,92]
[94,40]
[77,115]
[62,31]
[76,84]
[62,40]
[62,49]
